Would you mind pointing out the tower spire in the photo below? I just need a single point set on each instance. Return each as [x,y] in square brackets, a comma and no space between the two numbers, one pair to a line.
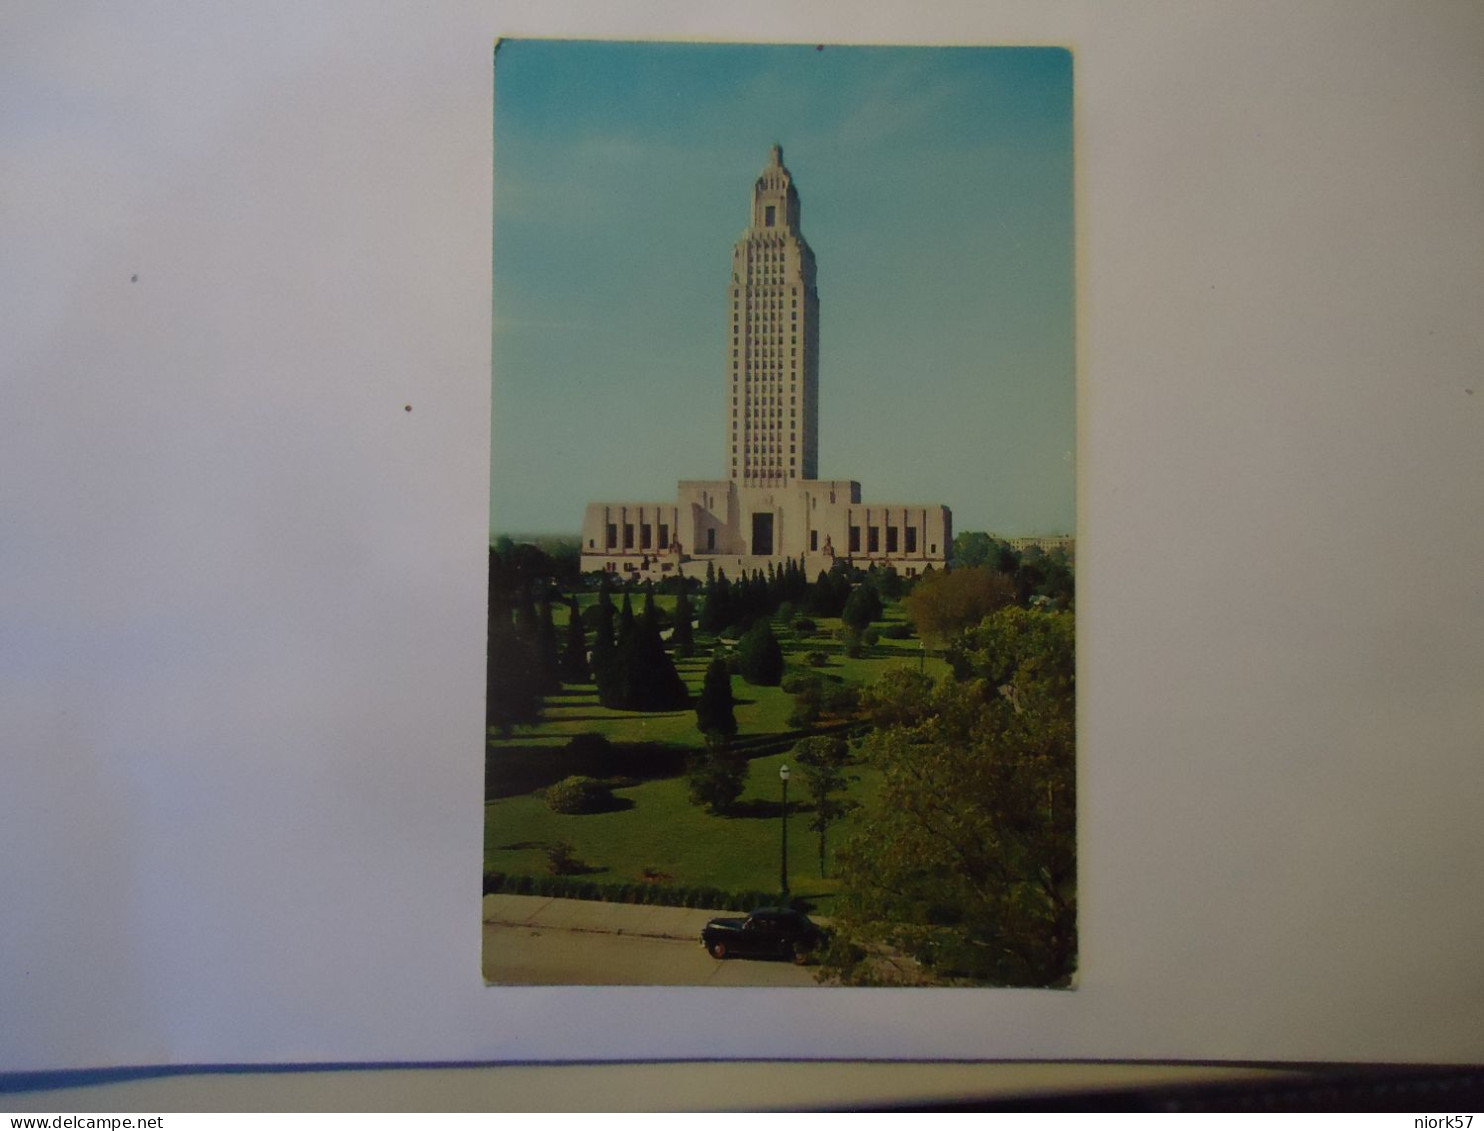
[773,345]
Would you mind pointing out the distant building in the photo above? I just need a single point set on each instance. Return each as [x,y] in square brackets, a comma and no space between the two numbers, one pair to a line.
[771,506]
[1048,543]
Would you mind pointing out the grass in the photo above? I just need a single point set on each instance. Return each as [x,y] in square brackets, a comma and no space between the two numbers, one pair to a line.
[659,830]
[664,834]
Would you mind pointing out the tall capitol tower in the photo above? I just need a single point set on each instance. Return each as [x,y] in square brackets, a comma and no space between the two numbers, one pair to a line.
[773,379]
[771,506]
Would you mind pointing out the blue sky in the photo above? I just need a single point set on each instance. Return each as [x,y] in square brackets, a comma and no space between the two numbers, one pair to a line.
[936,189]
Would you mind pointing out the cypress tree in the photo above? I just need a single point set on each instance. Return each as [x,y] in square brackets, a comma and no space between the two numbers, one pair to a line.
[548,652]
[574,657]
[511,693]
[759,657]
[603,658]
[717,612]
[651,619]
[526,625]
[682,639]
[714,714]
[649,681]
[625,620]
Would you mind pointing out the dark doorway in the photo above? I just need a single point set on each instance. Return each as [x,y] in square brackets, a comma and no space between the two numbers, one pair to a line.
[762,533]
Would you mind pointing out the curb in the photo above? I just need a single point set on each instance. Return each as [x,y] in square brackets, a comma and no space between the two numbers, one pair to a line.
[594,930]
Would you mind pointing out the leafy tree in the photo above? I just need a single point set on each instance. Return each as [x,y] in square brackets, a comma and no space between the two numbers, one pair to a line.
[716,778]
[759,656]
[966,861]
[972,548]
[1058,586]
[943,604]
[714,714]
[821,762]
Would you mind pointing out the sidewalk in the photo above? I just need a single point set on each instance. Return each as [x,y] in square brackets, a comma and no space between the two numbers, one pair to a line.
[644,920]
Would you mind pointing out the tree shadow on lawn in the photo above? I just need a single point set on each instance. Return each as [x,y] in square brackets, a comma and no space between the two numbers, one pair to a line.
[612,805]
[512,771]
[757,809]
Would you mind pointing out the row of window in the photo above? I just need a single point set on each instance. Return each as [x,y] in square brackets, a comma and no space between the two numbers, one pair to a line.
[645,531]
[766,447]
[873,540]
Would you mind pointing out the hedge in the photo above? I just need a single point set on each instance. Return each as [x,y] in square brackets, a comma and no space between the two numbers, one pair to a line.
[571,887]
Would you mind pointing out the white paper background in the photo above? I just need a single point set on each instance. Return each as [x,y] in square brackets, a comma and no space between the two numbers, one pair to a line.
[241,589]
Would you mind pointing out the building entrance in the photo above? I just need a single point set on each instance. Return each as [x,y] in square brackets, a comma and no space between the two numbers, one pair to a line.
[762,533]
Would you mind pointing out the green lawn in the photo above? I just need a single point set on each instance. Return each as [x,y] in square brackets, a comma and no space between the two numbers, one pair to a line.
[660,830]
[664,833]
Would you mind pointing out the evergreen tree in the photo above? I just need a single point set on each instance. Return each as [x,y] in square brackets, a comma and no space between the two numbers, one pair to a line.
[604,658]
[714,714]
[682,638]
[743,604]
[648,680]
[759,657]
[625,621]
[574,656]
[511,692]
[651,617]
[862,607]
[526,624]
[718,611]
[548,652]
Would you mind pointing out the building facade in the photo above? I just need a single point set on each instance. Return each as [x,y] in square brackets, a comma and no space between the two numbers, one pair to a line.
[771,505]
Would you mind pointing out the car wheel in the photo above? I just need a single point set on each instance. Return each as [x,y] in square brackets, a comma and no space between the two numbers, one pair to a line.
[718,949]
[801,954]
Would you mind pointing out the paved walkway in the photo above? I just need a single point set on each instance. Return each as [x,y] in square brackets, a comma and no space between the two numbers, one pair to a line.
[639,919]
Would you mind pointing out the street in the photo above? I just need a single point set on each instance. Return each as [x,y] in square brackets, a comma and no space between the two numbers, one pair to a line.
[547,956]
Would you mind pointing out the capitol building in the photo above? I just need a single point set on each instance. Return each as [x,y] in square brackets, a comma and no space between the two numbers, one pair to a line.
[770,506]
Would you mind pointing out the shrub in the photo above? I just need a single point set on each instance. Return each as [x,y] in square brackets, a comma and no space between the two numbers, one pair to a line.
[804,715]
[899,631]
[794,682]
[841,700]
[562,860]
[871,637]
[817,659]
[579,795]
[804,626]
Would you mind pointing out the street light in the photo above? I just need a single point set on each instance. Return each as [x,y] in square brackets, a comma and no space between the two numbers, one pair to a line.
[783,868]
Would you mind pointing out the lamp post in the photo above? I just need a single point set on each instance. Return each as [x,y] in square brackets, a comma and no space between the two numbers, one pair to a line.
[783,868]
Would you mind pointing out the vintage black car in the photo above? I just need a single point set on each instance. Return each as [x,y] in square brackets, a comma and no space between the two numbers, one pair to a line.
[769,932]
